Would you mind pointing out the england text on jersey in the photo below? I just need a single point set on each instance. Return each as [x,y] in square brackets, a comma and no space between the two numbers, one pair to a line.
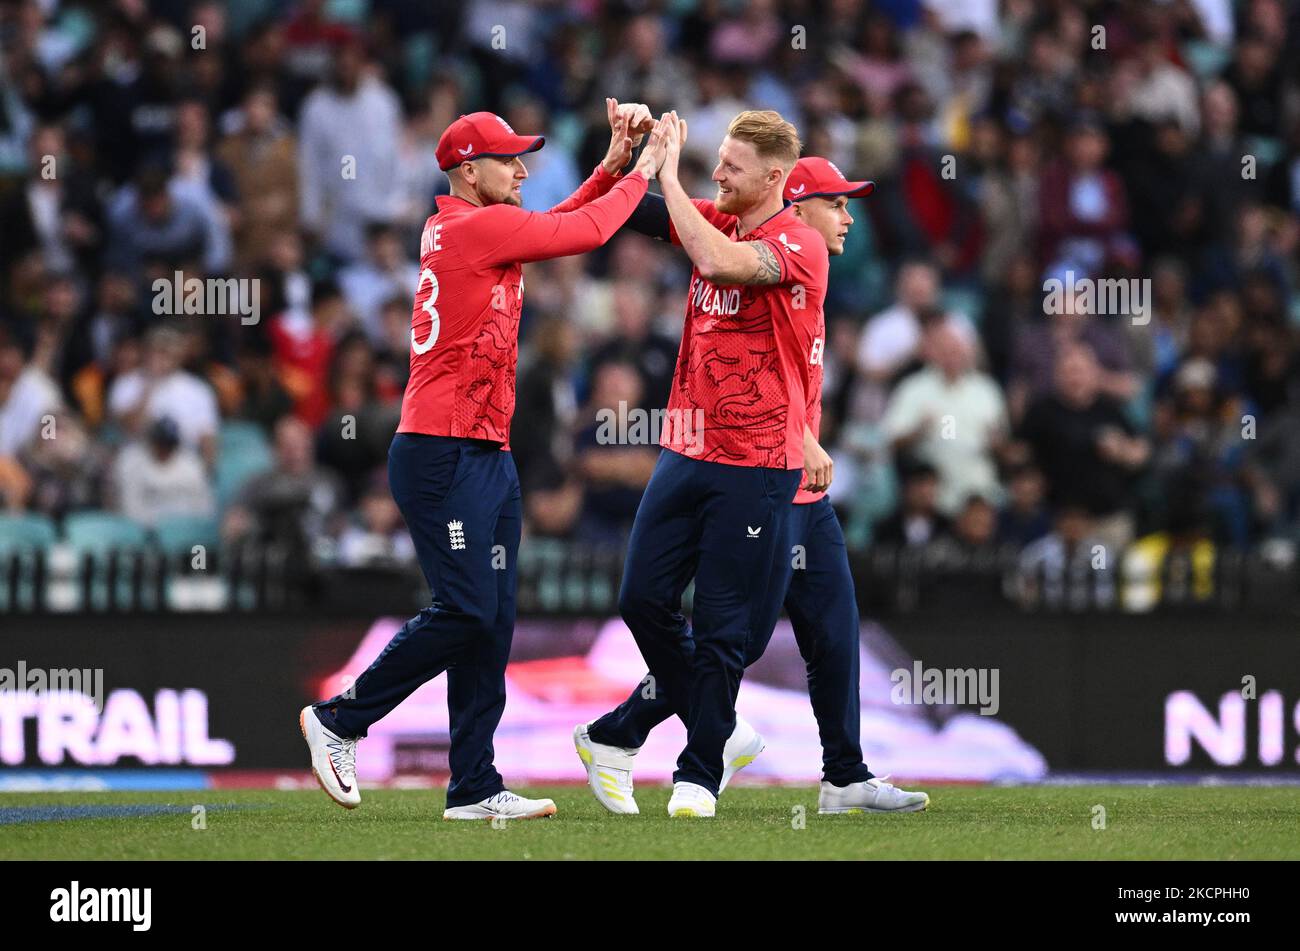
[746,354]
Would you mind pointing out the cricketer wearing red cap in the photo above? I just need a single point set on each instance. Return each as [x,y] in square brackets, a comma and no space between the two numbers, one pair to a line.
[448,467]
[820,195]
[816,587]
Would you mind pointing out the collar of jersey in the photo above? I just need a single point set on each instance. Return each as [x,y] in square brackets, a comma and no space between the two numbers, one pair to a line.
[453,201]
[786,205]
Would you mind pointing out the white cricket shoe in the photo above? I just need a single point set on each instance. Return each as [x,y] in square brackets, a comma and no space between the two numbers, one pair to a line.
[872,795]
[691,800]
[333,760]
[609,771]
[503,805]
[741,749]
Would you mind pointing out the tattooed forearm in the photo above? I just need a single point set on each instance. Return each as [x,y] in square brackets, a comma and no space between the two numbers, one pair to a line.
[769,269]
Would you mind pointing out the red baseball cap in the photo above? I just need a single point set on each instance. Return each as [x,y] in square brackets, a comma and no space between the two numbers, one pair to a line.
[482,135]
[815,177]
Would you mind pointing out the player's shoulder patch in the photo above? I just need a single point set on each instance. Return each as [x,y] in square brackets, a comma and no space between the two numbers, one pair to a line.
[802,241]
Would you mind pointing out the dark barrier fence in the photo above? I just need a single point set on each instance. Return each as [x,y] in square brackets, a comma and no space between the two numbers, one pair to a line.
[1169,691]
[573,580]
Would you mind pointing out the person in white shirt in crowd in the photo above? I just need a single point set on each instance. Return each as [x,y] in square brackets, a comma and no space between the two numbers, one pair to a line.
[891,340]
[158,477]
[161,387]
[27,396]
[359,117]
[952,416]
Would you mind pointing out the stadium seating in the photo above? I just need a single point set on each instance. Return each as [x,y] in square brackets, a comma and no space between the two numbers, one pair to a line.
[178,534]
[26,532]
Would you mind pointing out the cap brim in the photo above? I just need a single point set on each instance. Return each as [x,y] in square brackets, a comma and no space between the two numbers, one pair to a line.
[854,190]
[521,145]
[518,145]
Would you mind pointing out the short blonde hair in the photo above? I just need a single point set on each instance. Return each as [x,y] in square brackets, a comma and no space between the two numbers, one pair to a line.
[771,136]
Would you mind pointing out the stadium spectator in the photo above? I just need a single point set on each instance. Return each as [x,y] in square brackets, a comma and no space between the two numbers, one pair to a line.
[387,271]
[152,227]
[952,416]
[349,135]
[65,473]
[56,212]
[261,154]
[1040,342]
[1025,517]
[917,521]
[635,340]
[974,530]
[293,504]
[891,340]
[304,346]
[1083,208]
[376,534]
[1197,432]
[547,404]
[1086,446]
[158,477]
[1175,565]
[162,387]
[1066,568]
[364,413]
[614,457]
[27,396]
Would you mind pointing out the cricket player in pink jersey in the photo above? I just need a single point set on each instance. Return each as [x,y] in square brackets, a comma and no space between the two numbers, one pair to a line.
[449,466]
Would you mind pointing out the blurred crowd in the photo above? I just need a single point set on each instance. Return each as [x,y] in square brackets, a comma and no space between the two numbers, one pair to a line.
[1013,144]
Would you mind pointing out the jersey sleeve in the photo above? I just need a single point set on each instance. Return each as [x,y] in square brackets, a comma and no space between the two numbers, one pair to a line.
[802,255]
[597,184]
[719,219]
[650,218]
[505,234]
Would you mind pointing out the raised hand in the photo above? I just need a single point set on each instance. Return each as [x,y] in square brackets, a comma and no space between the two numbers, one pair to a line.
[628,124]
[639,119]
[674,136]
[652,156]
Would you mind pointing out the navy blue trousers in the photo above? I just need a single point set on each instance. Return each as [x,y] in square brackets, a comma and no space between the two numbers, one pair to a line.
[725,526]
[822,605]
[461,501]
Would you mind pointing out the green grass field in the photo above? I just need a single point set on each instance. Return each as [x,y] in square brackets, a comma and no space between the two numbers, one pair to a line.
[1037,822]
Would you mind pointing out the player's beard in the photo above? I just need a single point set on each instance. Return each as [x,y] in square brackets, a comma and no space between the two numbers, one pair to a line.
[507,196]
[725,201]
[733,202]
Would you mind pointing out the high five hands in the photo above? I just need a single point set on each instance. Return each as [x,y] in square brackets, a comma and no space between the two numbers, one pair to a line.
[628,124]
[662,152]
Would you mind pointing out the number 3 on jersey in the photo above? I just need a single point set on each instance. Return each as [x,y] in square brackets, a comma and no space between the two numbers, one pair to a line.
[435,321]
